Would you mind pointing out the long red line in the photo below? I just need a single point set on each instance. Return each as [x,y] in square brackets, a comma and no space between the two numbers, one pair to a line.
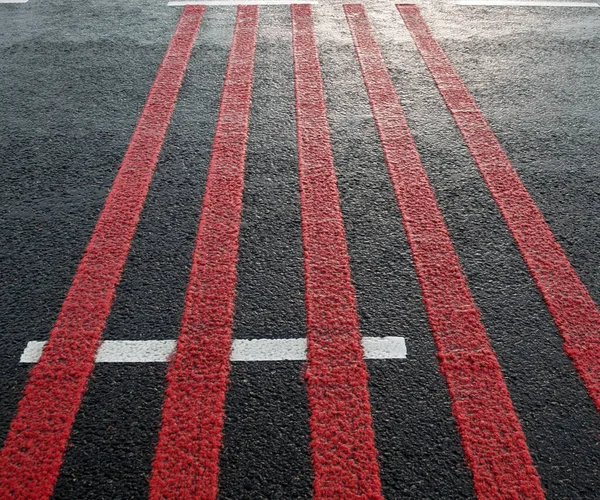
[343,449]
[569,302]
[186,464]
[33,451]
[491,433]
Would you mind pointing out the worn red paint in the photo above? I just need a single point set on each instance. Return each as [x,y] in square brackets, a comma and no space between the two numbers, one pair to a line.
[573,309]
[490,430]
[186,464]
[343,449]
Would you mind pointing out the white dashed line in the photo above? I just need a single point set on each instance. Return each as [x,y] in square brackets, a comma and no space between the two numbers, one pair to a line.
[525,3]
[14,1]
[158,351]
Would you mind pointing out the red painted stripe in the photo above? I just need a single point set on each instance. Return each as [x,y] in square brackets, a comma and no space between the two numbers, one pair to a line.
[186,464]
[38,435]
[569,302]
[491,433]
[343,449]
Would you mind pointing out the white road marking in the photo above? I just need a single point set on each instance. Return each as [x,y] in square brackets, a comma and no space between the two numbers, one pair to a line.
[268,349]
[526,3]
[384,347]
[14,1]
[178,3]
[158,351]
[135,351]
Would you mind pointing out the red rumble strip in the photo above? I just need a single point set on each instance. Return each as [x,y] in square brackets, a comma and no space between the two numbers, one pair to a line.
[569,302]
[186,464]
[343,450]
[490,430]
[38,435]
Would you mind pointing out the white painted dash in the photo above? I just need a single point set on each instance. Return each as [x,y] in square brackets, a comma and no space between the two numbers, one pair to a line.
[179,3]
[14,1]
[268,350]
[384,347]
[135,351]
[32,352]
[158,351]
[526,3]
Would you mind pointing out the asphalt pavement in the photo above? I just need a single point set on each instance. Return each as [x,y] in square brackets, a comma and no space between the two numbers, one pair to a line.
[75,79]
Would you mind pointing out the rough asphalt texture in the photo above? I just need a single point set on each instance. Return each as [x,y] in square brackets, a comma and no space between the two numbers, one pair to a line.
[74,80]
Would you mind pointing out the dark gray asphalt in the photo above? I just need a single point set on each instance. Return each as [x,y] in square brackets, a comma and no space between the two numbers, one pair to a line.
[73,80]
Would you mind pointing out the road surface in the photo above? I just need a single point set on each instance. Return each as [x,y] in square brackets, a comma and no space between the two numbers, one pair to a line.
[373,230]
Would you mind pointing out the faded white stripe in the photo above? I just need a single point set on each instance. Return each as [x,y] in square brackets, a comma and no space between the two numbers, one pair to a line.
[158,351]
[14,1]
[525,3]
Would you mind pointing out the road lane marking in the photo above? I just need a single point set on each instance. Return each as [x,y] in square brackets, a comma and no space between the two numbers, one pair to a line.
[14,1]
[384,347]
[342,438]
[115,351]
[159,351]
[569,302]
[186,464]
[525,3]
[32,454]
[490,430]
